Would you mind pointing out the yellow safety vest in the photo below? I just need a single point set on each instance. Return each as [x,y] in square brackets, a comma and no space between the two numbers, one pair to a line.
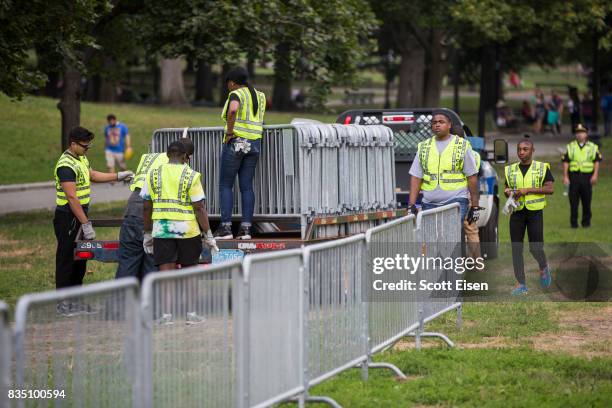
[147,163]
[444,169]
[169,186]
[80,166]
[248,124]
[534,178]
[582,160]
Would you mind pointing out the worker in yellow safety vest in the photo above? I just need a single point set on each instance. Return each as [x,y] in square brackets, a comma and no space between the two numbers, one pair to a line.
[444,169]
[133,261]
[580,173]
[73,176]
[528,182]
[175,218]
[243,115]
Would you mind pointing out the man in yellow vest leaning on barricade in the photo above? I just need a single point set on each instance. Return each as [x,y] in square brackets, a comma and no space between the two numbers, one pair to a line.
[528,182]
[580,173]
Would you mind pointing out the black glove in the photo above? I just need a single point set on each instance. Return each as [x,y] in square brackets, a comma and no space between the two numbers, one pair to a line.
[413,209]
[473,214]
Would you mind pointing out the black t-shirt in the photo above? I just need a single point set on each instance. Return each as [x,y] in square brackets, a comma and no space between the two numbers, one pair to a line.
[66,174]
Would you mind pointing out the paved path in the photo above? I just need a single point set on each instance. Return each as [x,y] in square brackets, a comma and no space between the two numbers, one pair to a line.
[545,145]
[37,196]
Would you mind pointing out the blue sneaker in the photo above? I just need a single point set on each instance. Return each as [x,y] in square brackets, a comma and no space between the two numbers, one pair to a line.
[545,277]
[520,290]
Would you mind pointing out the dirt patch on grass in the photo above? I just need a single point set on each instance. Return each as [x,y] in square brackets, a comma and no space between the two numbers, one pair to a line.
[585,333]
[432,342]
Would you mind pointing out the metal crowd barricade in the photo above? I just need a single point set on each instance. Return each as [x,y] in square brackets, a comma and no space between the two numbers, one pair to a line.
[336,325]
[5,355]
[439,232]
[392,317]
[270,355]
[303,170]
[83,342]
[189,336]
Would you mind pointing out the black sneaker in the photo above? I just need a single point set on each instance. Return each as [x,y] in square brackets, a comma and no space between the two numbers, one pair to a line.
[223,232]
[244,233]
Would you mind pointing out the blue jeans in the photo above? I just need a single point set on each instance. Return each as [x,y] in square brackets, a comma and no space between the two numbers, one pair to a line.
[463,206]
[243,165]
[133,261]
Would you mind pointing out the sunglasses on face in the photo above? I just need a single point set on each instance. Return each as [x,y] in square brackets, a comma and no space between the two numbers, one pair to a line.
[85,146]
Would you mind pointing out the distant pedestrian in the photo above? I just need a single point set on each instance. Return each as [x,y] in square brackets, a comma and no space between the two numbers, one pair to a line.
[573,106]
[527,113]
[587,110]
[117,141]
[606,108]
[539,110]
[557,102]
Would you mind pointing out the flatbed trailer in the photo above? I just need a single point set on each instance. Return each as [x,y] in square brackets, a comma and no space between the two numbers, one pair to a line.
[108,250]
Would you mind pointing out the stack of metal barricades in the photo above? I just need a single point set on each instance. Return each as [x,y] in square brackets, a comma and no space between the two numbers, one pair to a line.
[304,170]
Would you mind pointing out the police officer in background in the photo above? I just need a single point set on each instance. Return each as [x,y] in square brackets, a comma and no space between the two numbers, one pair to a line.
[580,172]
[529,181]
[73,177]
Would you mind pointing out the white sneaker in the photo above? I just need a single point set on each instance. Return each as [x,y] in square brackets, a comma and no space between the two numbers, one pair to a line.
[194,318]
[165,319]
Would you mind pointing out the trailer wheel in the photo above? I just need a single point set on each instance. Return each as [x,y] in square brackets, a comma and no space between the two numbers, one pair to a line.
[488,236]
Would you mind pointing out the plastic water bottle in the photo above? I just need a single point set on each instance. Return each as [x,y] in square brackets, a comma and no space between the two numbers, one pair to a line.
[566,190]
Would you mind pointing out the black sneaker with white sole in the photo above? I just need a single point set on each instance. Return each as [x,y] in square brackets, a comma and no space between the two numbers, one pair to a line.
[223,232]
[244,233]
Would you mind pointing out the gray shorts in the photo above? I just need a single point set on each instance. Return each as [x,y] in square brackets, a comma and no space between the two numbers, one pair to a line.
[114,159]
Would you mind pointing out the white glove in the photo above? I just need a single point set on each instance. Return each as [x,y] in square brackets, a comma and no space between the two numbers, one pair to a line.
[126,176]
[209,241]
[147,243]
[511,205]
[88,231]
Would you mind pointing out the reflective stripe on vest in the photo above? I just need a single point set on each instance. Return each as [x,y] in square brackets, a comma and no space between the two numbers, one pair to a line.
[248,124]
[169,186]
[534,178]
[80,167]
[446,169]
[581,160]
[147,162]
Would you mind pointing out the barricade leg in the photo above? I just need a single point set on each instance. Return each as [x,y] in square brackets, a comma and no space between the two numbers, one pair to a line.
[366,365]
[459,316]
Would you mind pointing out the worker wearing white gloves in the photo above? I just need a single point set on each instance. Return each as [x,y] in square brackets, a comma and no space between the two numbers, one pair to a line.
[175,218]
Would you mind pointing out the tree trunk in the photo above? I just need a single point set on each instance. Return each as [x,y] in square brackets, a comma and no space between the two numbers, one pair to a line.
[204,82]
[251,68]
[223,91]
[70,102]
[51,89]
[411,71]
[281,94]
[435,69]
[487,85]
[172,87]
[108,91]
[92,91]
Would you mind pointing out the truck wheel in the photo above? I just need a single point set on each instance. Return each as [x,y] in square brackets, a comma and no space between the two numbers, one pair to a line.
[488,236]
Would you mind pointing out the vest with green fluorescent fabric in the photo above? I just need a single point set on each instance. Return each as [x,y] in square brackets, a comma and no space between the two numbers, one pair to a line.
[534,178]
[248,125]
[169,186]
[147,162]
[581,159]
[80,167]
[446,169]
